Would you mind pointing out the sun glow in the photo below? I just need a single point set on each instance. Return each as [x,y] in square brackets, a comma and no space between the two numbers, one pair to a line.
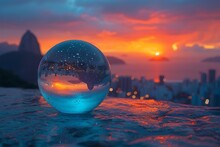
[65,88]
[157,53]
[174,46]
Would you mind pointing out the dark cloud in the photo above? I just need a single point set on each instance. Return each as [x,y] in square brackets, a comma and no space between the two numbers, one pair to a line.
[9,3]
[13,11]
[141,9]
[35,13]
[128,18]
[182,16]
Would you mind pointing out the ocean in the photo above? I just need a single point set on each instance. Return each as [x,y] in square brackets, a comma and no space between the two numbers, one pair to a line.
[173,70]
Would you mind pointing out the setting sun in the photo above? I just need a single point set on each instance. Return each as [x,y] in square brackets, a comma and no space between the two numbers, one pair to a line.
[157,53]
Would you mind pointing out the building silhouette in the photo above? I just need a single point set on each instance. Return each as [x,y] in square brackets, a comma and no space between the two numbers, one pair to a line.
[205,92]
[212,74]
[125,83]
[161,79]
[203,78]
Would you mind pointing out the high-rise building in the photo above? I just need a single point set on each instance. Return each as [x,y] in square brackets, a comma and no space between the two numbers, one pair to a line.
[196,100]
[215,101]
[161,79]
[143,80]
[203,79]
[125,83]
[218,83]
[212,74]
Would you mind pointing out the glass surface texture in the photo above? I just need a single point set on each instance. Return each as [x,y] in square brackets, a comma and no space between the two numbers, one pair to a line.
[74,76]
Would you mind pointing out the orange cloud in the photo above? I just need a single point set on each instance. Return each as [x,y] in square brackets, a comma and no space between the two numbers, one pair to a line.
[144,27]
[106,33]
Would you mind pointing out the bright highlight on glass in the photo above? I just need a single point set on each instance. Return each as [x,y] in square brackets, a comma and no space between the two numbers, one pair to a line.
[74,76]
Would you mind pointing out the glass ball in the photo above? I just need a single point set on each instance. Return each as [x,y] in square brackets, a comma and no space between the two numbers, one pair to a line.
[74,76]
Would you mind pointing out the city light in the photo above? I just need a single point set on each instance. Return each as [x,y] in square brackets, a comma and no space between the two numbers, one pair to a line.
[147,95]
[145,89]
[207,101]
[133,96]
[128,93]
[142,98]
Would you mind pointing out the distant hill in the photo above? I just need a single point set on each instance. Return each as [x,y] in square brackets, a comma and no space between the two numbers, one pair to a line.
[23,62]
[212,59]
[158,58]
[5,47]
[114,60]
[8,79]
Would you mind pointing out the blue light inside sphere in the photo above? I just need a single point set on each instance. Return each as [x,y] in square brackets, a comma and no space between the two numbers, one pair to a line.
[74,76]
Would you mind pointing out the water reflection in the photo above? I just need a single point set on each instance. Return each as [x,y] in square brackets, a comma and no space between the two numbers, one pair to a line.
[64,85]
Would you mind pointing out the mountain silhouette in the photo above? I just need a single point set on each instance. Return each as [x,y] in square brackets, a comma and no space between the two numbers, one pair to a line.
[114,60]
[8,79]
[25,61]
[212,59]
[29,43]
[6,47]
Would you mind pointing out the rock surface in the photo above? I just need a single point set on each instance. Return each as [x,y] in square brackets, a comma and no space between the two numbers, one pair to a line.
[27,120]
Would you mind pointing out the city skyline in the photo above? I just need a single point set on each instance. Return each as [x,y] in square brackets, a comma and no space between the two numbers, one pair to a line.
[203,92]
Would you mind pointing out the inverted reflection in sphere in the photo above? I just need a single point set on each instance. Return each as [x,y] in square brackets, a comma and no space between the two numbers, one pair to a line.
[74,76]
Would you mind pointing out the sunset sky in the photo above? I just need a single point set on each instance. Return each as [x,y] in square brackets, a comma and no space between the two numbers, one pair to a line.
[127,26]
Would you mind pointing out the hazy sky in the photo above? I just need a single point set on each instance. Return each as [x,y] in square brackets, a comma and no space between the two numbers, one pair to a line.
[146,26]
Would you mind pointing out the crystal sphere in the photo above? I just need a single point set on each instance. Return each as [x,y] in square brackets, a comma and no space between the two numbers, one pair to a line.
[74,76]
